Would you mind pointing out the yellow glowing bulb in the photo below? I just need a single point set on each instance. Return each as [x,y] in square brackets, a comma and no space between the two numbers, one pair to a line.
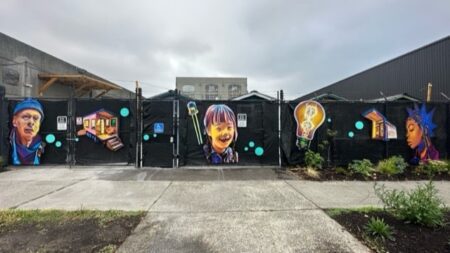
[309,116]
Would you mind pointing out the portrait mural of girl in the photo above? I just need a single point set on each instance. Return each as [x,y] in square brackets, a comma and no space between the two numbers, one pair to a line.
[419,129]
[221,130]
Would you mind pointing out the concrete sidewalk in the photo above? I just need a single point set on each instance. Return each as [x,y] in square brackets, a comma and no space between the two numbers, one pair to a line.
[258,210]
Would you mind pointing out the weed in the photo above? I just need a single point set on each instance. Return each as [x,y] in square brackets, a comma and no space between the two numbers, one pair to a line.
[338,211]
[376,227]
[392,166]
[363,167]
[421,205]
[110,248]
[313,160]
[344,171]
[312,173]
[433,167]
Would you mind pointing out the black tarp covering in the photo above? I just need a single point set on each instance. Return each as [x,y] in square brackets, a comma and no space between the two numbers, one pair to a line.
[52,109]
[158,149]
[87,151]
[342,116]
[262,130]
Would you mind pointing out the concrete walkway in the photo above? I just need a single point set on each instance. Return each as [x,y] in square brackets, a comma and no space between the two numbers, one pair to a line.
[257,210]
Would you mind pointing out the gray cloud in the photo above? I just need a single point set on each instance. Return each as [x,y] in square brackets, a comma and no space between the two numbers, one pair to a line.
[297,46]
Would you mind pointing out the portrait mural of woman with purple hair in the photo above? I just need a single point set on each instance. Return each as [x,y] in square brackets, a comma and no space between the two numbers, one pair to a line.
[26,143]
[221,130]
[419,129]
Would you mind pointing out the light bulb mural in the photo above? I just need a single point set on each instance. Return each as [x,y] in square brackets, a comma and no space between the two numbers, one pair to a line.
[193,111]
[309,116]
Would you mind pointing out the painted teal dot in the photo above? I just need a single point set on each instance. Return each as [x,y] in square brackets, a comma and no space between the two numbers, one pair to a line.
[146,137]
[124,112]
[329,120]
[251,144]
[58,144]
[351,134]
[359,125]
[50,138]
[155,135]
[259,151]
[246,149]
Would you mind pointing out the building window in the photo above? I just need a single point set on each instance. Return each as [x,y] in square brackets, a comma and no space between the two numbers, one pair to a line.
[211,92]
[234,90]
[188,90]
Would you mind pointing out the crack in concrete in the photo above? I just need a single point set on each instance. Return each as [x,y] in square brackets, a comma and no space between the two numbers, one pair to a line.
[159,197]
[236,211]
[299,192]
[49,193]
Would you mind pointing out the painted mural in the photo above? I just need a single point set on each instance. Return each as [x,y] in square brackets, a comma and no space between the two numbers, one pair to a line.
[102,126]
[221,130]
[419,130]
[193,111]
[26,143]
[381,128]
[309,116]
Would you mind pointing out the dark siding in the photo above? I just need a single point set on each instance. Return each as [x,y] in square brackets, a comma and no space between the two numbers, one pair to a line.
[409,73]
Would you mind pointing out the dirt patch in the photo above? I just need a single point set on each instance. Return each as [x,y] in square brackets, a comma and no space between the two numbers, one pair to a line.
[90,234]
[332,174]
[408,237]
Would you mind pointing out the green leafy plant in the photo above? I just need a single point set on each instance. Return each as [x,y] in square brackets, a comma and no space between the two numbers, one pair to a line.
[421,205]
[392,166]
[363,167]
[376,227]
[433,167]
[344,171]
[313,160]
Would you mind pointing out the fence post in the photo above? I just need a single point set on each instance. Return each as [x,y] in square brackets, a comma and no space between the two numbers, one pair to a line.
[279,99]
[71,131]
[139,127]
[386,143]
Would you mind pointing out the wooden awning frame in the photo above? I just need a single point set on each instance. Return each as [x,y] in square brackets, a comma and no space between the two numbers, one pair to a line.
[81,83]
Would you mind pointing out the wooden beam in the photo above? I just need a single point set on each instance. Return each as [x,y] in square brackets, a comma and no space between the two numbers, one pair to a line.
[99,84]
[82,93]
[102,93]
[47,85]
[81,88]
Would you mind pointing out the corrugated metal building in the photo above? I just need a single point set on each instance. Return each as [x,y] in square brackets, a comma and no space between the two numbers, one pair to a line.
[409,73]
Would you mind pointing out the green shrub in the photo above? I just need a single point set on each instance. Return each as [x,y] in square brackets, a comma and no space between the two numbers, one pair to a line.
[376,227]
[363,167]
[433,167]
[392,166]
[344,171]
[313,160]
[421,205]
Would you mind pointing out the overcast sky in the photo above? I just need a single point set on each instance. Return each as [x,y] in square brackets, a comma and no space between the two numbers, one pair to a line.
[297,46]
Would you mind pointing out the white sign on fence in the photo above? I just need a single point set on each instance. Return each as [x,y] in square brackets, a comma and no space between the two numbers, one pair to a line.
[61,122]
[242,120]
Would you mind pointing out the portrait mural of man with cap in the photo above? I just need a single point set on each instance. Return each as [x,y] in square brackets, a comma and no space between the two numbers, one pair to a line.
[26,143]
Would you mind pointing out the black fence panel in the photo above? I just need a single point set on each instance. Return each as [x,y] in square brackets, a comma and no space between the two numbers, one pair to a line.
[3,128]
[256,143]
[353,140]
[53,139]
[105,131]
[158,133]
